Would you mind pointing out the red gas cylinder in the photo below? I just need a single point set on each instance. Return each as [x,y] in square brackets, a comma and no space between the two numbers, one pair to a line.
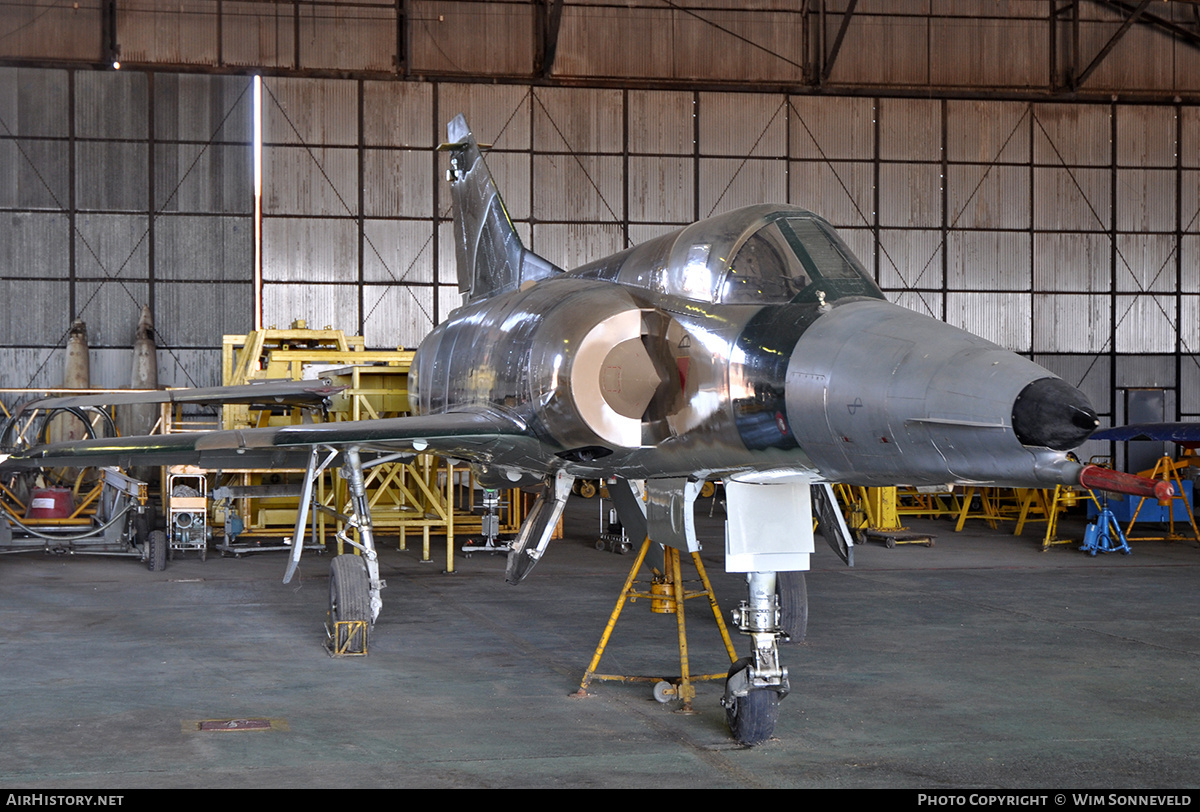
[50,503]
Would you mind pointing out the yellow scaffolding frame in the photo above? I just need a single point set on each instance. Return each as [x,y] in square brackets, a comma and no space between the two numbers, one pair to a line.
[1167,470]
[402,496]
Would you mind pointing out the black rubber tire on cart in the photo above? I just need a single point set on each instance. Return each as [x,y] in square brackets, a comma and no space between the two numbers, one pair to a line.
[156,554]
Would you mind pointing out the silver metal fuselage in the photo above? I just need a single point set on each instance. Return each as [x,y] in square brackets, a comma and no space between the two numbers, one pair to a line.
[662,361]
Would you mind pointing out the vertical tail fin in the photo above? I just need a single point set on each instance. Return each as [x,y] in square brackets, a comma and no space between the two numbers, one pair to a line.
[491,257]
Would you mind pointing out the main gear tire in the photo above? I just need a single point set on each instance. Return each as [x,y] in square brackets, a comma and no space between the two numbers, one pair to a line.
[349,600]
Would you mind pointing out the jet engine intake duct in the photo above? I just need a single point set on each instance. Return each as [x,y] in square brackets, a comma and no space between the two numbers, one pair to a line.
[1050,412]
[624,377]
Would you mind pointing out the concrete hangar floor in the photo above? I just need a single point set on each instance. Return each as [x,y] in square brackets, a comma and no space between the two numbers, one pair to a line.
[980,662]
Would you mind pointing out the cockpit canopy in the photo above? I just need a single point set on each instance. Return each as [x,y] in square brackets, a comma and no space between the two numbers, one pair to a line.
[790,259]
[764,254]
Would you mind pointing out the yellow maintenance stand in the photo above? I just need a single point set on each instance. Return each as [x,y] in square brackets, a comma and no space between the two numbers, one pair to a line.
[404,497]
[1045,505]
[667,595]
[874,514]
[375,385]
[1168,470]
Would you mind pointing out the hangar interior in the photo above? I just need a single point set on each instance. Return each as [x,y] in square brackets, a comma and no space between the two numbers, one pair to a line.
[1028,170]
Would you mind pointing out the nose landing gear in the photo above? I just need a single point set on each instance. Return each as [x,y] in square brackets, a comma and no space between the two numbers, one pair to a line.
[756,684]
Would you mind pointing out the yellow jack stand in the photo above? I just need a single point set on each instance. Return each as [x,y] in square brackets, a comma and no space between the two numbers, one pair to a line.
[875,516]
[1167,470]
[883,508]
[666,596]
[989,508]
[1038,502]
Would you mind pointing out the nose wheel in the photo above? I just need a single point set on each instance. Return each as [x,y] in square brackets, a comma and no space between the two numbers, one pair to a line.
[776,611]
[752,715]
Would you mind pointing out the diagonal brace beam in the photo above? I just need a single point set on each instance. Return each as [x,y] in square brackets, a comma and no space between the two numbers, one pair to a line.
[837,41]
[549,19]
[1112,42]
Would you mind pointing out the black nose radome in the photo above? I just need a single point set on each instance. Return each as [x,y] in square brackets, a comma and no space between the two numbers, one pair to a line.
[1050,412]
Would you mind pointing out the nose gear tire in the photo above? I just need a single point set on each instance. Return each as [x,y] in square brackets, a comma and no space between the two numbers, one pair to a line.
[751,717]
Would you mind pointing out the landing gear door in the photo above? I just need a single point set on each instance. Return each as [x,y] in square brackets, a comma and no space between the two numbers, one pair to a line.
[770,526]
[832,523]
[538,526]
[631,509]
[670,513]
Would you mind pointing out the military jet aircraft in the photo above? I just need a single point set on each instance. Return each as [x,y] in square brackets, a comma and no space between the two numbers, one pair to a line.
[752,347]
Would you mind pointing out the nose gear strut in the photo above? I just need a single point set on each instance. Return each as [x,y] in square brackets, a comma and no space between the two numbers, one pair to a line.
[755,684]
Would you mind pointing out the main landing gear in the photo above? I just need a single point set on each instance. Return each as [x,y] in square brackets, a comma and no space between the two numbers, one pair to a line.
[354,582]
[776,611]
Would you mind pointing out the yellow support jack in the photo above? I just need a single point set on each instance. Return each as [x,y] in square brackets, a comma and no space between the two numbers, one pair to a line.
[875,516]
[666,596]
[1038,502]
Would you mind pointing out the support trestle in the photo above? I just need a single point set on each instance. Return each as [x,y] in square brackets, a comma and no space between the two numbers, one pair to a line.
[667,595]
[1165,469]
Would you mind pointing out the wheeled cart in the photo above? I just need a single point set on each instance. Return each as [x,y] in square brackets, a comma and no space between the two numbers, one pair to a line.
[186,507]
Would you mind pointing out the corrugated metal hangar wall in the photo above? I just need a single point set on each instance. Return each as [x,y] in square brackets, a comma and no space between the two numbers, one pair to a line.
[1028,170]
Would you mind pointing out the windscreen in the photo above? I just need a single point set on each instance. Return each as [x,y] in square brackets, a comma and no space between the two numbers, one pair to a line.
[793,259]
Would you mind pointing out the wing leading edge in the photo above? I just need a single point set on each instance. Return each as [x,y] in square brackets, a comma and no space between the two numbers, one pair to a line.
[268,393]
[473,436]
